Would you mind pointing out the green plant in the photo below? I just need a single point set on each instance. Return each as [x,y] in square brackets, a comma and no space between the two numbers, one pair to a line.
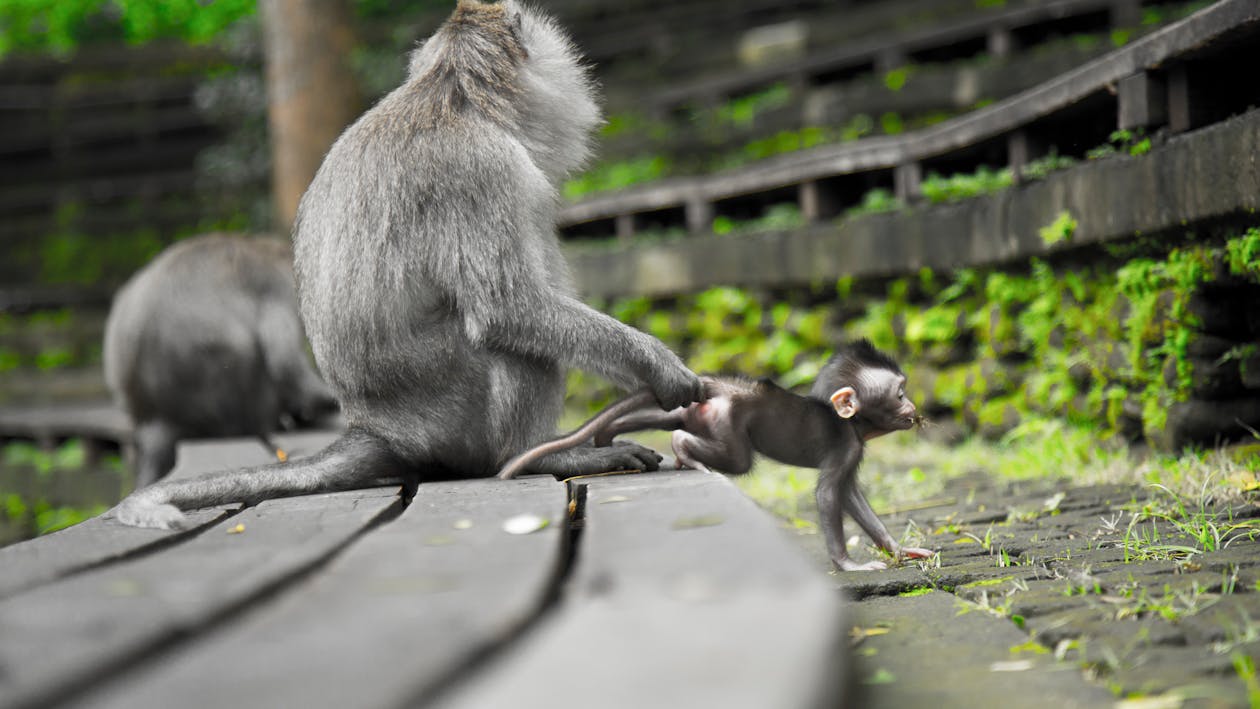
[1245,668]
[895,79]
[1134,143]
[876,201]
[618,175]
[937,189]
[70,455]
[1041,167]
[1060,230]
[744,110]
[891,124]
[1121,36]
[777,217]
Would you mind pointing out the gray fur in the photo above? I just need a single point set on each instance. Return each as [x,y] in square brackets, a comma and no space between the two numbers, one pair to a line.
[206,341]
[429,274]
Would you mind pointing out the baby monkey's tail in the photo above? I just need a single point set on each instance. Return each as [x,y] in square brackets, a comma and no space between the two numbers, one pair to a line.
[639,400]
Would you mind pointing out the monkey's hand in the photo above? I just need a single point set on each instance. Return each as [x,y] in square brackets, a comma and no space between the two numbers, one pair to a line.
[915,553]
[138,511]
[585,460]
[674,385]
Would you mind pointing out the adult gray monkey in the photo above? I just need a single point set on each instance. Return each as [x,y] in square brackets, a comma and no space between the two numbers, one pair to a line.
[205,341]
[431,282]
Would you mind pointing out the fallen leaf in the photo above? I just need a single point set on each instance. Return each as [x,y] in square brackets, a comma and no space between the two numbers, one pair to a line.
[881,676]
[699,521]
[237,529]
[525,524]
[1171,700]
[858,633]
[124,588]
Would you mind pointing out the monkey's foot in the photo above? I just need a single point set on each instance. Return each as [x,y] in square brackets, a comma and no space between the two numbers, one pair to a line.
[155,515]
[621,455]
[847,564]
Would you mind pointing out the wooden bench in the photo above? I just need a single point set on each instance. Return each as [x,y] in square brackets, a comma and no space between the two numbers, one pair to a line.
[663,589]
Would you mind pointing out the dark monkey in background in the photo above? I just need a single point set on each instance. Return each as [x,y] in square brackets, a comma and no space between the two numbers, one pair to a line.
[206,341]
[431,281]
[859,394]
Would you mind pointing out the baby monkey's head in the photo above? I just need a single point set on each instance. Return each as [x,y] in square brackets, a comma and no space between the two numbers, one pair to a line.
[864,384]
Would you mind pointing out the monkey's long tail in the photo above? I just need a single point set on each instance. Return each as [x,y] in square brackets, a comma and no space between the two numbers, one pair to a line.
[639,400]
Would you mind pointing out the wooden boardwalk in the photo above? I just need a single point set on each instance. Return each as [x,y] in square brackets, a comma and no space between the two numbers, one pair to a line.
[665,589]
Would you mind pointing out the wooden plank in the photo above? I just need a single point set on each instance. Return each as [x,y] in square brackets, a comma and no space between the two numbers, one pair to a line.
[58,639]
[100,540]
[93,420]
[685,595]
[389,621]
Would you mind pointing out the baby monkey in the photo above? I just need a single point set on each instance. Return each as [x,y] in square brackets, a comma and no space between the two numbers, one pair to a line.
[859,394]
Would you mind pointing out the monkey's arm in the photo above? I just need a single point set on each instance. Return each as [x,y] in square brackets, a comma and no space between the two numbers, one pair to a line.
[507,282]
[856,505]
[835,478]
[577,335]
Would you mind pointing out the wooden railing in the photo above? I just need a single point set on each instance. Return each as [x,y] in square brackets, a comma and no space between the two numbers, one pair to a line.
[1171,79]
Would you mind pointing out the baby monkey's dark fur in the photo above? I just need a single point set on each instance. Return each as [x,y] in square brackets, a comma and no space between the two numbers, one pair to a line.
[859,394]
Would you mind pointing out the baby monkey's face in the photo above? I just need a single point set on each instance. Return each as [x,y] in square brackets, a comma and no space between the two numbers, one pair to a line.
[878,397]
[889,408]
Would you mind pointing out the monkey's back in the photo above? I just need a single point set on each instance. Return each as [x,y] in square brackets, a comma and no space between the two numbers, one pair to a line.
[389,290]
[437,205]
[183,340]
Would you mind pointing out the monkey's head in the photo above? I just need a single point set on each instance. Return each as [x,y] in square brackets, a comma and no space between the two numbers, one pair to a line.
[866,385]
[517,65]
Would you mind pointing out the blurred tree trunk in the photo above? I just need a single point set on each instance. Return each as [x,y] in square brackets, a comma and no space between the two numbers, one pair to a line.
[311,92]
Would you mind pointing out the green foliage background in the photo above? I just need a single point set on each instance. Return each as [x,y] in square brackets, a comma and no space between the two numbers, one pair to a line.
[1103,346]
[59,26]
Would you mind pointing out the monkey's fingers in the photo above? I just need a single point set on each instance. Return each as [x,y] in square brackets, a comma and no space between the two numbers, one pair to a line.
[917,553]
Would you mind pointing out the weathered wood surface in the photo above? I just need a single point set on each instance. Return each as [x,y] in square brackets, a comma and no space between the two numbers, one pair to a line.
[99,540]
[684,595]
[391,620]
[64,636]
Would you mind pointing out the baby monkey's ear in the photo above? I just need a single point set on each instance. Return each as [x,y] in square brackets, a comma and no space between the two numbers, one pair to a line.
[845,400]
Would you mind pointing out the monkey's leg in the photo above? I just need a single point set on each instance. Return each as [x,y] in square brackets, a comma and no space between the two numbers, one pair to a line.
[356,459]
[830,495]
[155,451]
[588,460]
[856,505]
[733,457]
